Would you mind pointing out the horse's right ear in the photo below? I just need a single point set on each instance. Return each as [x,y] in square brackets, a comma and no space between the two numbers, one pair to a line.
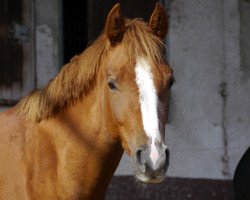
[115,25]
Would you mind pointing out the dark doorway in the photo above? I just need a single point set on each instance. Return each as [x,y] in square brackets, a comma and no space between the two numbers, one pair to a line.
[74,28]
[10,46]
[98,11]
[83,21]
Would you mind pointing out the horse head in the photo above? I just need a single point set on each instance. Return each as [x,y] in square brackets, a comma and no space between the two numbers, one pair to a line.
[137,80]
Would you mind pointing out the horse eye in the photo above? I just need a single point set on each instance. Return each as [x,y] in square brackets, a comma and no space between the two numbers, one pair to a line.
[171,82]
[111,85]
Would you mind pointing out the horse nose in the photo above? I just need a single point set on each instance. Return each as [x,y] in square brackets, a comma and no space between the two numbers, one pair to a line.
[145,162]
[167,157]
[139,155]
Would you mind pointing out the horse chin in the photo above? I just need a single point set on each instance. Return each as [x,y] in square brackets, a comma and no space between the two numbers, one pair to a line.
[150,180]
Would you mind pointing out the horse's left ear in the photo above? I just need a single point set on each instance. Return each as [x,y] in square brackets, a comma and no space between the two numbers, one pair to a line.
[115,25]
[159,21]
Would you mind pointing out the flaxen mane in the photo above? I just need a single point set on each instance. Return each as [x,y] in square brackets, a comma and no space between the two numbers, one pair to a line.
[76,78]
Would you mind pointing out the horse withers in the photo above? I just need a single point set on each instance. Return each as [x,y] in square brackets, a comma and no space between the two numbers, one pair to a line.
[64,141]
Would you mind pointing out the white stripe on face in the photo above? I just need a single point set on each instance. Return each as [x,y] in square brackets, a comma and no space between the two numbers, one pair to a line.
[148,101]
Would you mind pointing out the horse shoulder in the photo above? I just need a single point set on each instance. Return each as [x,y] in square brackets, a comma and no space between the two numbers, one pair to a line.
[12,165]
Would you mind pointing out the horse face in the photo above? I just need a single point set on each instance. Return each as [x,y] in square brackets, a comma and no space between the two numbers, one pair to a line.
[137,93]
[151,159]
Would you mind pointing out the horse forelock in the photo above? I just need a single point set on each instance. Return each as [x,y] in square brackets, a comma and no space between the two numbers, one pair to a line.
[77,77]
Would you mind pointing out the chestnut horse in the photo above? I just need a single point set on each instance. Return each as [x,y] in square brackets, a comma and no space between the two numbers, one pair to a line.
[65,141]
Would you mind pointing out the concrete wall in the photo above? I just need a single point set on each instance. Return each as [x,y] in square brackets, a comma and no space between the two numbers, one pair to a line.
[238,82]
[210,108]
[49,52]
[196,48]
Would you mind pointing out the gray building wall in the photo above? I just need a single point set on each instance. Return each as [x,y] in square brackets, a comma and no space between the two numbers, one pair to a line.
[238,79]
[48,28]
[196,48]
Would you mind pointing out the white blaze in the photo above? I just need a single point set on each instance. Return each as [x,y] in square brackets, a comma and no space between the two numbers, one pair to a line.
[148,101]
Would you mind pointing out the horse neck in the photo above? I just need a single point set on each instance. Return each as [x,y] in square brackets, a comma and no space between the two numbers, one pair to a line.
[84,127]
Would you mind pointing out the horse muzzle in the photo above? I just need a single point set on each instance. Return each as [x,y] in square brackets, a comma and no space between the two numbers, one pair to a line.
[151,162]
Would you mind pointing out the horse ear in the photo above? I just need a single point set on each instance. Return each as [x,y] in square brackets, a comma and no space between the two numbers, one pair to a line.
[115,25]
[159,21]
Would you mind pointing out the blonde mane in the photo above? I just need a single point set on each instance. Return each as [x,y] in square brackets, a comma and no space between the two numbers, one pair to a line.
[77,77]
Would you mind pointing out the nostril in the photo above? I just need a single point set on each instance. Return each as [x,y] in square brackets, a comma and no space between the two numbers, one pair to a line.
[139,156]
[167,155]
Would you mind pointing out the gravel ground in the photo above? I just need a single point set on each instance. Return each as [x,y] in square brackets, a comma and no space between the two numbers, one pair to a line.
[126,188]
